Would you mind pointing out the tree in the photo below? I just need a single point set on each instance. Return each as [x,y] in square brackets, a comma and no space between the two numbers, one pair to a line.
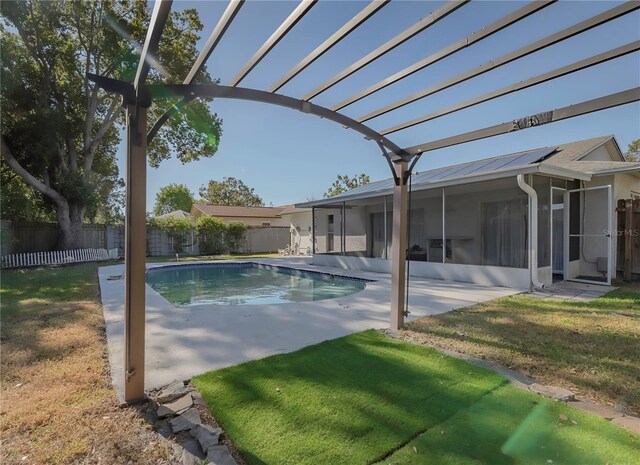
[173,197]
[236,235]
[60,132]
[344,183]
[230,191]
[633,151]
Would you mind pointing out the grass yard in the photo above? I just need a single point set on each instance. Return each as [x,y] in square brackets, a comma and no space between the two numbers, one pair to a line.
[366,399]
[591,348]
[58,406]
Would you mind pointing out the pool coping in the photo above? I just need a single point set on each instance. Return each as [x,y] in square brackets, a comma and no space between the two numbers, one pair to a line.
[185,341]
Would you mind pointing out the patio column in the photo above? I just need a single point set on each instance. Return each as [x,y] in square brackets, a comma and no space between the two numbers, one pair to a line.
[399,247]
[135,252]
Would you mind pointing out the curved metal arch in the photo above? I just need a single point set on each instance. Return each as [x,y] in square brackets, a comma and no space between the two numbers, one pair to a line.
[191,91]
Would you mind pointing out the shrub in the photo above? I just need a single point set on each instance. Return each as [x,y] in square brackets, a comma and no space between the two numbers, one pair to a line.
[177,229]
[236,233]
[211,232]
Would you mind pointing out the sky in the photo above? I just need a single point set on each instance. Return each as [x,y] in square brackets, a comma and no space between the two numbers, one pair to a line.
[289,156]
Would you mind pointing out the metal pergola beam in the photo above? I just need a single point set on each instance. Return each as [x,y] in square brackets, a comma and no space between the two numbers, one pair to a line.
[216,35]
[296,15]
[424,23]
[572,31]
[541,78]
[137,101]
[334,39]
[233,8]
[255,95]
[559,114]
[161,10]
[476,37]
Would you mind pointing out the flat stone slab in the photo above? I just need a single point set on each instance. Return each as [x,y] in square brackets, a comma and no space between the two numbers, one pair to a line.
[600,410]
[220,455]
[171,392]
[553,392]
[175,407]
[206,435]
[186,421]
[197,398]
[631,423]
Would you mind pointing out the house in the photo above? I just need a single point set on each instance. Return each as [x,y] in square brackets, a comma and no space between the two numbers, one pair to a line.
[180,214]
[300,224]
[251,216]
[298,220]
[471,222]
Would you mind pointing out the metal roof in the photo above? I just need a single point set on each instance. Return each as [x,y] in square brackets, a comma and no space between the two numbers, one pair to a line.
[495,167]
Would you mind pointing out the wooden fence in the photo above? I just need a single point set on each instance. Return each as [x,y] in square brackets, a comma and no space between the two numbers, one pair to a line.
[57,257]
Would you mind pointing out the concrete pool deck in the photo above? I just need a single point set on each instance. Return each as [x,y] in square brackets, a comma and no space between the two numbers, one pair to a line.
[185,341]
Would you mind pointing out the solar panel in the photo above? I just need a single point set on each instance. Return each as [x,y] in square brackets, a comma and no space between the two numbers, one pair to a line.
[447,172]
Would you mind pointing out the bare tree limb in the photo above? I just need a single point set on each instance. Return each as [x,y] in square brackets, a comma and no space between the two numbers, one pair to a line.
[29,178]
[112,115]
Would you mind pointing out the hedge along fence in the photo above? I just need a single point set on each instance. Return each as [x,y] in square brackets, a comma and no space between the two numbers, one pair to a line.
[213,235]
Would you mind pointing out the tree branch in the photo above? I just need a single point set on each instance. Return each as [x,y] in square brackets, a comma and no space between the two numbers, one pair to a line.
[73,154]
[102,130]
[29,178]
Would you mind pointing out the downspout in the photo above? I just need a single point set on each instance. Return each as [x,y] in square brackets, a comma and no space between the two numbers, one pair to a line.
[533,230]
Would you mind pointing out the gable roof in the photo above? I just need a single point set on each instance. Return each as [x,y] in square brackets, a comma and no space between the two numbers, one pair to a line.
[237,212]
[563,160]
[176,214]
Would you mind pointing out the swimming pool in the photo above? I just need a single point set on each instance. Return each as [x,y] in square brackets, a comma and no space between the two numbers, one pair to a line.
[246,284]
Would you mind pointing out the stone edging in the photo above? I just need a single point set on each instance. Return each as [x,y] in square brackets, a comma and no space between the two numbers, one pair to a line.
[525,383]
[179,413]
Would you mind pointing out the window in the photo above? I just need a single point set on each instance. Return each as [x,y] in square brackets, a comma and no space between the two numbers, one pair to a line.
[635,195]
[266,223]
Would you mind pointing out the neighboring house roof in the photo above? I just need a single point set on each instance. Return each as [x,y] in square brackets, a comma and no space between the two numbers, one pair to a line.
[289,209]
[237,212]
[562,161]
[176,214]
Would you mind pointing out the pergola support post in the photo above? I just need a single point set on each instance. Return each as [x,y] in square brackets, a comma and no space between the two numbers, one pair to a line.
[399,246]
[135,253]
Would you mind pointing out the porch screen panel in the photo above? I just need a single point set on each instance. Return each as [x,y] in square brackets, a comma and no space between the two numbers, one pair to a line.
[504,233]
[355,228]
[542,186]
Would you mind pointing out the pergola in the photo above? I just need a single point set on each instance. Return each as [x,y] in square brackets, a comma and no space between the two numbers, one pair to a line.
[138,96]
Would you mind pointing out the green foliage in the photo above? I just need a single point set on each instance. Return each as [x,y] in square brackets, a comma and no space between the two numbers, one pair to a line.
[236,234]
[62,129]
[178,230]
[344,183]
[211,235]
[173,197]
[230,191]
[633,151]
[19,202]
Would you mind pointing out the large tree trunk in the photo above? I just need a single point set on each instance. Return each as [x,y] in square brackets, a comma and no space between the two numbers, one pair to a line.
[70,218]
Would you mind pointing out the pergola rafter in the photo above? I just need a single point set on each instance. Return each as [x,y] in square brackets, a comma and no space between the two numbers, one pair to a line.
[139,95]
[420,26]
[461,44]
[553,39]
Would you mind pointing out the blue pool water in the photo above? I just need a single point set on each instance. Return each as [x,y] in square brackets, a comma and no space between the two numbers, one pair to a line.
[246,284]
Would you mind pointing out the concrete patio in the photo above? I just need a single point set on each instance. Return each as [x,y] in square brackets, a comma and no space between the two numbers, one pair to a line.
[182,342]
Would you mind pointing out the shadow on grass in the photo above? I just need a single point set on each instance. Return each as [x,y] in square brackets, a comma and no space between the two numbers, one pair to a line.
[585,344]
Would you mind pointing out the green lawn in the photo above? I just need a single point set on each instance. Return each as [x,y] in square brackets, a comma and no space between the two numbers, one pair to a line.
[366,399]
[591,348]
